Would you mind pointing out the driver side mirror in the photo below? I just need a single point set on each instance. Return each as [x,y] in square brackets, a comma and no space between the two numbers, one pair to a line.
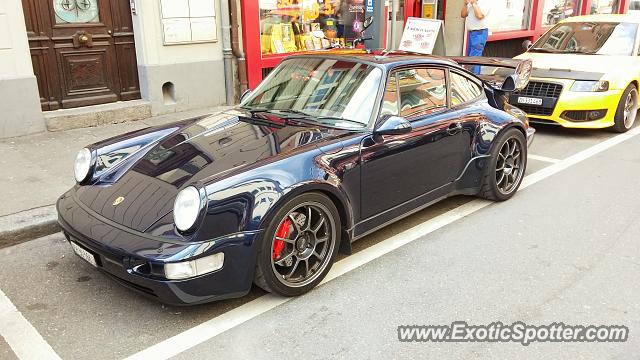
[526,45]
[393,125]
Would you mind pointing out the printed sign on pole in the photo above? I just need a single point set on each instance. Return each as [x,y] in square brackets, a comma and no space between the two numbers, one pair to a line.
[422,36]
[370,6]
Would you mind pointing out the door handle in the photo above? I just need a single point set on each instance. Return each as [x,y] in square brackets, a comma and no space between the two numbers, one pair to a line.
[454,128]
[110,32]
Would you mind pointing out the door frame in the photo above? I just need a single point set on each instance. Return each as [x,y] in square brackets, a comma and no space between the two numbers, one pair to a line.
[119,60]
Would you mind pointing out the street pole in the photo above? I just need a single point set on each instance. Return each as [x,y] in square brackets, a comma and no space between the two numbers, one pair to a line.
[375,9]
[227,51]
[392,33]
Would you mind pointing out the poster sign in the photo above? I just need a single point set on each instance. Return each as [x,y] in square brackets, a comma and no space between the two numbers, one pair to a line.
[429,9]
[370,6]
[421,35]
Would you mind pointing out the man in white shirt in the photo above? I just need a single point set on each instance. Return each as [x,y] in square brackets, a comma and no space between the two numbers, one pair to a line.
[475,13]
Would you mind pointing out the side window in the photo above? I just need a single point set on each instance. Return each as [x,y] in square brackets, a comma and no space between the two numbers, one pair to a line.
[390,98]
[422,91]
[463,89]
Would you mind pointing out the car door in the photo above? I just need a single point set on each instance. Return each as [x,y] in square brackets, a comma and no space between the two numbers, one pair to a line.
[403,172]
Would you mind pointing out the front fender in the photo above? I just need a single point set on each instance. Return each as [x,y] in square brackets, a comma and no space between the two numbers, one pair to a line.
[337,194]
[115,155]
[247,201]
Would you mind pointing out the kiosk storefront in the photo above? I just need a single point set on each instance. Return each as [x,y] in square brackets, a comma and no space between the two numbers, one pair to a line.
[511,21]
[273,29]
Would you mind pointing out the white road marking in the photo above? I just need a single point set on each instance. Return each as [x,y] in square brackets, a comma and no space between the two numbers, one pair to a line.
[542,158]
[577,157]
[213,327]
[22,337]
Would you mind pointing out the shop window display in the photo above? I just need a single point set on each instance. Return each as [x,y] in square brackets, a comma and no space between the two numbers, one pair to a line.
[604,6]
[287,25]
[556,10]
[507,15]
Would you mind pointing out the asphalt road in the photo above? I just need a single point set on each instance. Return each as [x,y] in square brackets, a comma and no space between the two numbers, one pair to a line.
[564,249]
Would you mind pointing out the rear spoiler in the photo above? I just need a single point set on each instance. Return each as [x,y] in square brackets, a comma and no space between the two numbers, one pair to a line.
[509,74]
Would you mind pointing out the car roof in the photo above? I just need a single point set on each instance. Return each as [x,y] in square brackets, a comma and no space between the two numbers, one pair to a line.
[385,59]
[604,18]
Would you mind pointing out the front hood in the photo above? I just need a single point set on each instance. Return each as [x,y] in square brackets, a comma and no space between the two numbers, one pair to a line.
[566,64]
[210,148]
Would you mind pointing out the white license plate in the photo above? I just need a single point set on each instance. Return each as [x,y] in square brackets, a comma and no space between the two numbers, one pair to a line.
[89,257]
[529,100]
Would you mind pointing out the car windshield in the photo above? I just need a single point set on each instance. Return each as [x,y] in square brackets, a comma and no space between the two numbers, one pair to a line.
[332,92]
[602,38]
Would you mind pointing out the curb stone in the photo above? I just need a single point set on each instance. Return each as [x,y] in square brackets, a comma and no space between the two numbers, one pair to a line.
[28,225]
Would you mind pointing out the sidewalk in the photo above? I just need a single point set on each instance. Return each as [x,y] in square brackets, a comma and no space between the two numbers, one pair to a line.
[35,170]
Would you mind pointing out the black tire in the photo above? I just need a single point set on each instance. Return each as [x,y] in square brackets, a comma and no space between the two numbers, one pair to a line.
[272,276]
[622,122]
[494,187]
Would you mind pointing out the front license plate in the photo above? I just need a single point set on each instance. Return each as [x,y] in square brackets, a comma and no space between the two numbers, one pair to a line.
[89,257]
[529,100]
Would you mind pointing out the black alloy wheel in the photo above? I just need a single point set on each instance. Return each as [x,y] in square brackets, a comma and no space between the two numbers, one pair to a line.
[506,166]
[299,246]
[509,168]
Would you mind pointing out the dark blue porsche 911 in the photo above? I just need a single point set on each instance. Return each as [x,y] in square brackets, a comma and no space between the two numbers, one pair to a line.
[327,149]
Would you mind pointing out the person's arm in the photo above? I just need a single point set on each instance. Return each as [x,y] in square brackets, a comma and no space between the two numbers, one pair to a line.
[464,12]
[476,10]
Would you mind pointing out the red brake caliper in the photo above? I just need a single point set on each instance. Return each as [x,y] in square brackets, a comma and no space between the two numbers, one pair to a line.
[283,232]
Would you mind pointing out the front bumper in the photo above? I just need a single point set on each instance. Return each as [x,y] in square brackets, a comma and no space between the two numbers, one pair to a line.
[136,261]
[580,101]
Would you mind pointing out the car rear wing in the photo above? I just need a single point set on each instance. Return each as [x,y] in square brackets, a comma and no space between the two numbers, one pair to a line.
[501,76]
[504,74]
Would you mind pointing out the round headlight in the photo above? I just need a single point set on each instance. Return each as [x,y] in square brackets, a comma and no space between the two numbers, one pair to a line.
[186,208]
[82,166]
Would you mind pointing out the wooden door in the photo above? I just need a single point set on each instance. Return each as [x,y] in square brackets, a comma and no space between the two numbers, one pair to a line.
[82,51]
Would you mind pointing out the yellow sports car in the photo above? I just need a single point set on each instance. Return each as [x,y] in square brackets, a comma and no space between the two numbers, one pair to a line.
[586,73]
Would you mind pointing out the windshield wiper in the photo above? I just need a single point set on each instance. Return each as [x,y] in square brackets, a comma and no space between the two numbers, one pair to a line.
[542,50]
[252,108]
[291,111]
[553,51]
[324,120]
[558,51]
